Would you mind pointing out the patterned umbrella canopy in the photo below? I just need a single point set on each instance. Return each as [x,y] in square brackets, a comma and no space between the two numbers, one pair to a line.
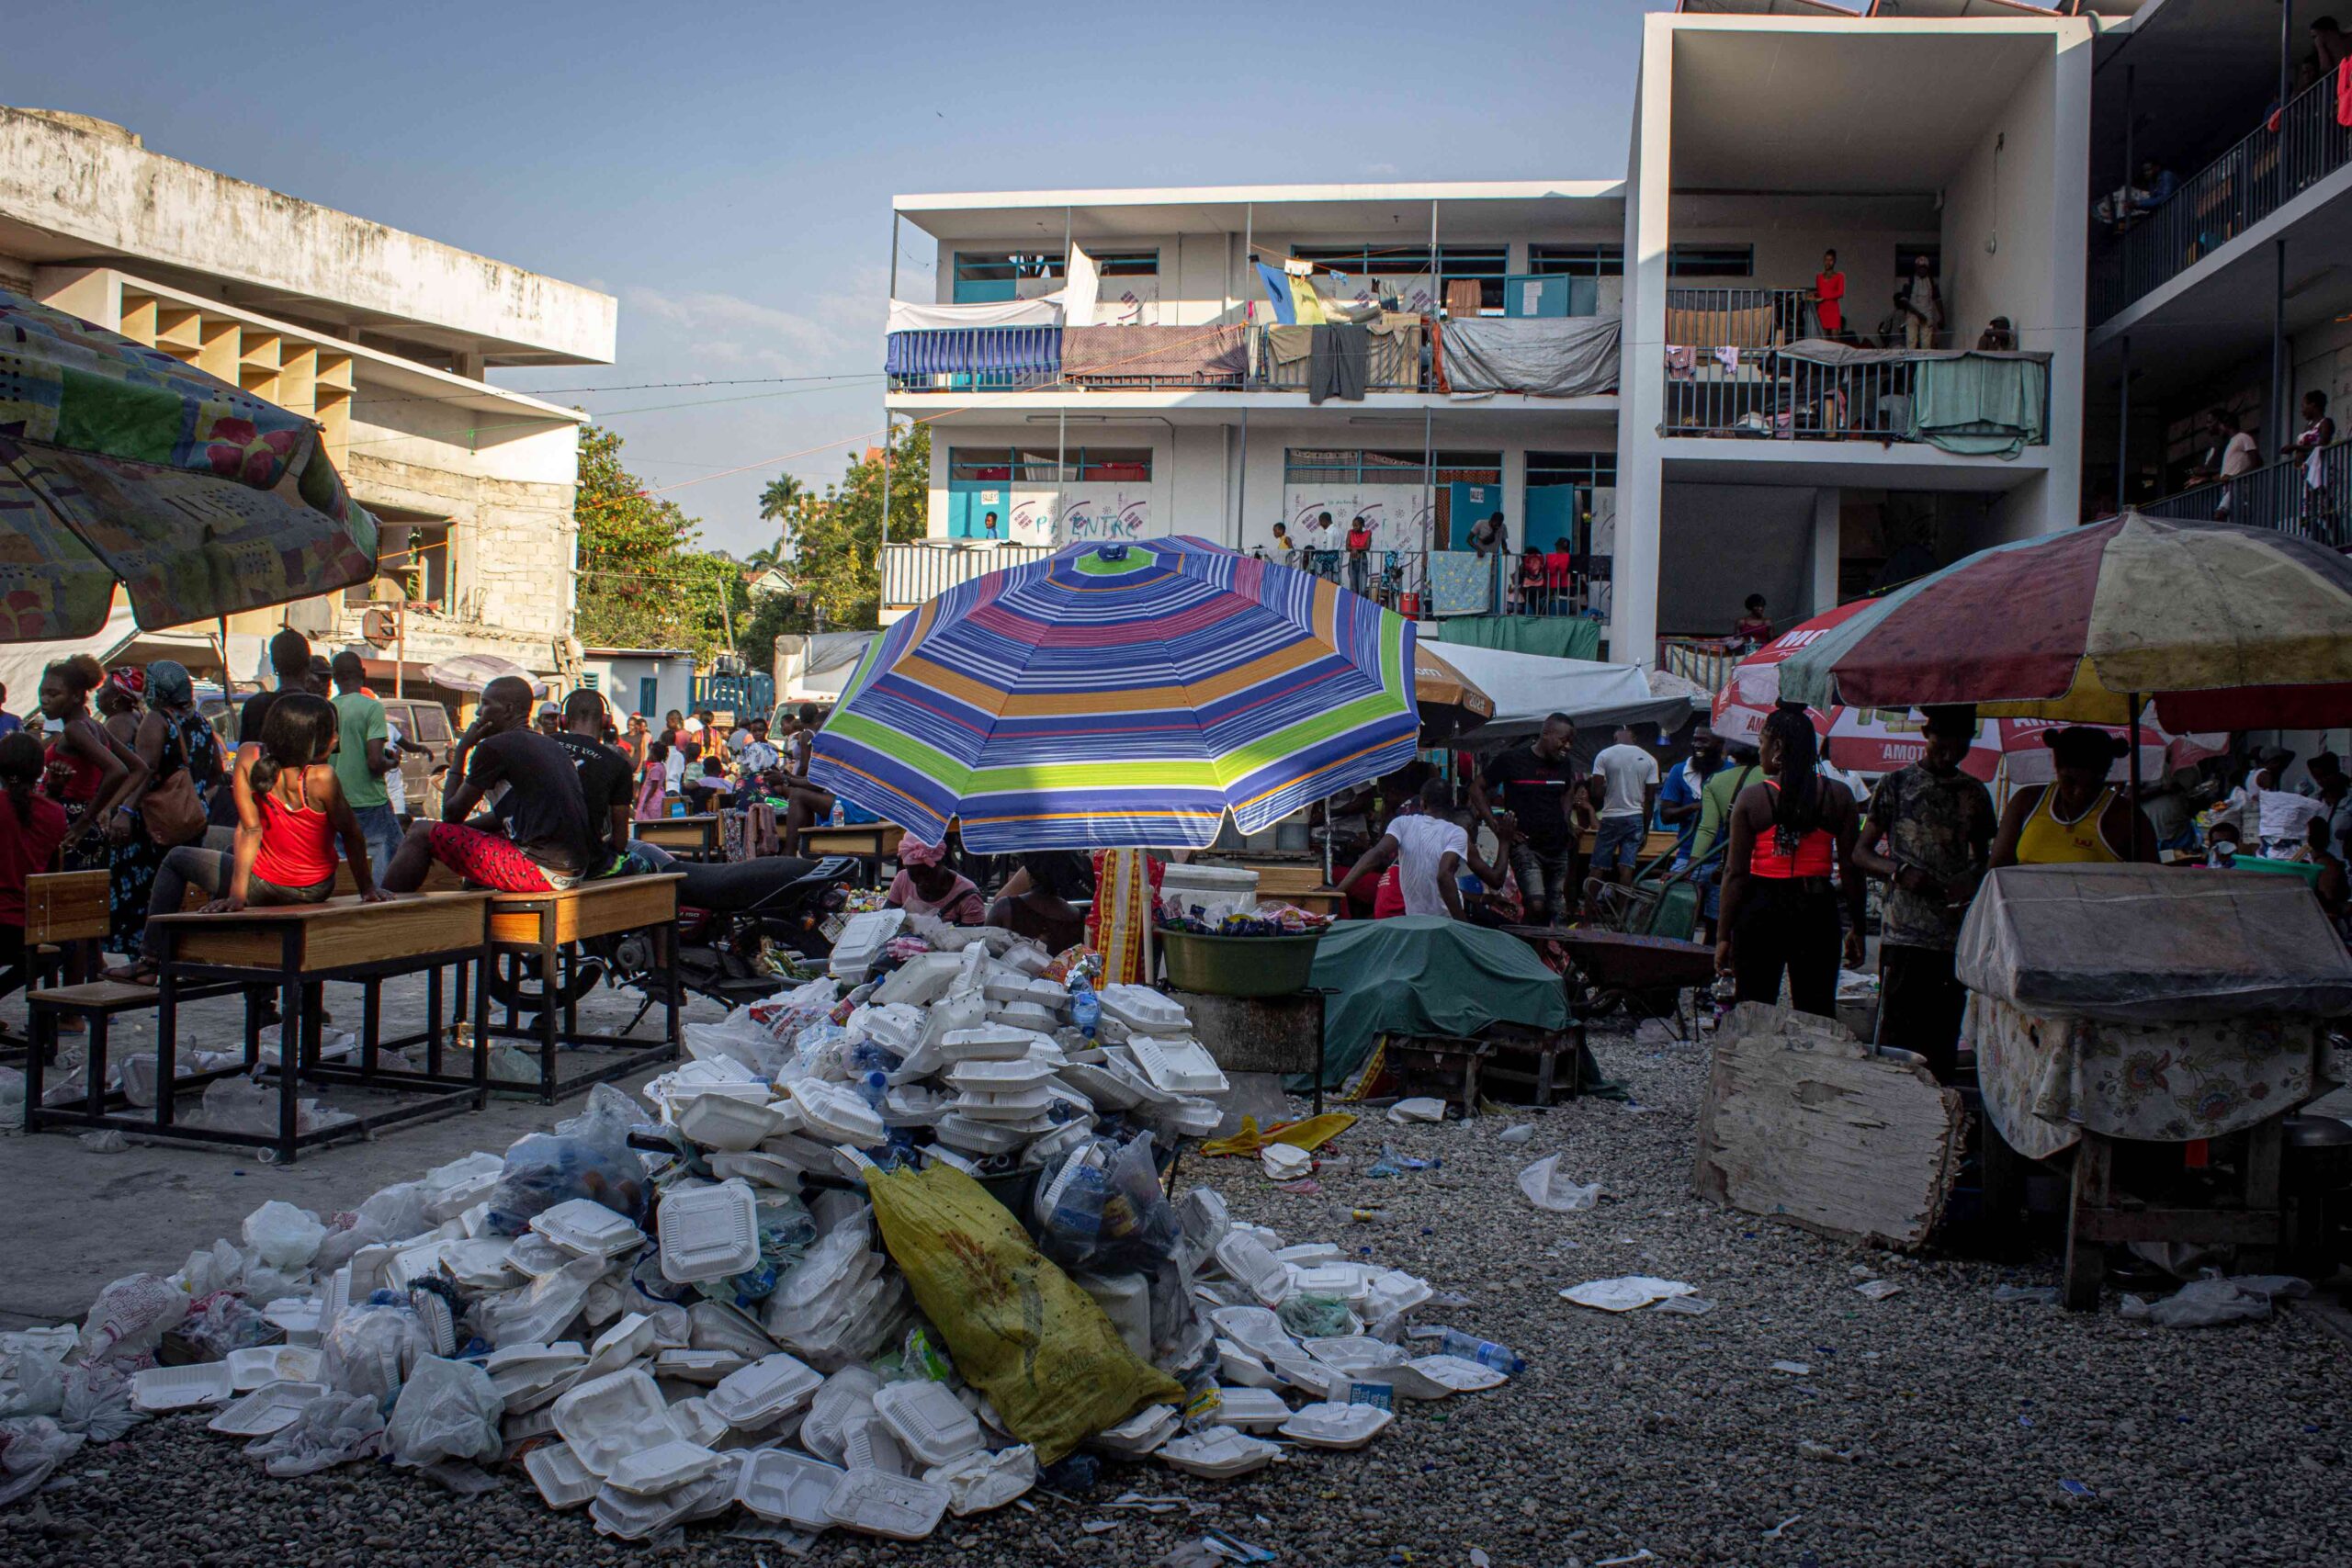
[2228,627]
[117,463]
[1122,695]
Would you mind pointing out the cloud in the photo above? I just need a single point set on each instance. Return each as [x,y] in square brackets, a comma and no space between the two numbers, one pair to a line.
[1381,171]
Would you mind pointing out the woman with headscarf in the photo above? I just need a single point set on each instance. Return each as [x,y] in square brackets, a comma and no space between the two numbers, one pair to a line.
[926,885]
[172,736]
[119,701]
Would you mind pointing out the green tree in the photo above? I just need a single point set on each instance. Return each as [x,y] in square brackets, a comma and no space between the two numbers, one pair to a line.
[836,566]
[642,581]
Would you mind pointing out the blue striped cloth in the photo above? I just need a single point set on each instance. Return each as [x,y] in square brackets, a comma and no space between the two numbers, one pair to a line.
[974,351]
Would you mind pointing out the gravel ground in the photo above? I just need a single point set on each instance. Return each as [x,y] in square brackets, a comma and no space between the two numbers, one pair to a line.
[1953,1420]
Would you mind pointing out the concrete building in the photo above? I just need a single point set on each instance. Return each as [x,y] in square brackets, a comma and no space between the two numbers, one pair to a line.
[383,337]
[1724,461]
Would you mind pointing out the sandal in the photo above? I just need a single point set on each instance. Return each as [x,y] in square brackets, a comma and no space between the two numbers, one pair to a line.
[140,972]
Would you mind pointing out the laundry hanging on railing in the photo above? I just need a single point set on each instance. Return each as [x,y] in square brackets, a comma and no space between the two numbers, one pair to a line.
[1572,357]
[914,316]
[987,350]
[1975,402]
[1107,357]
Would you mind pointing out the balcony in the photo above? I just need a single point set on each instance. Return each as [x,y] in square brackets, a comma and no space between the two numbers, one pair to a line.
[920,571]
[1970,403]
[2224,200]
[2281,496]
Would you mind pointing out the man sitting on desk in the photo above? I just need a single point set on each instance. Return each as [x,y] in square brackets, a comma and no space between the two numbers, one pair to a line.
[538,837]
[603,770]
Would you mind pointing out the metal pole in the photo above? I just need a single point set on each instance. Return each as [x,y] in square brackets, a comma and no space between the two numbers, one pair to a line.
[885,536]
[2286,48]
[2123,431]
[400,643]
[2279,343]
[1061,466]
[1241,495]
[2125,183]
[894,252]
[1429,483]
[1437,273]
[2132,739]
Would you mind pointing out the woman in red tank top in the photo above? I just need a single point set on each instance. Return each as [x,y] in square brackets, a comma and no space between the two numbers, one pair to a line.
[1790,834]
[291,811]
[89,772]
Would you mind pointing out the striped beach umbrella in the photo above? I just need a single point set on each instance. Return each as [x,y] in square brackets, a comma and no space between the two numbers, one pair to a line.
[1122,695]
[2226,627]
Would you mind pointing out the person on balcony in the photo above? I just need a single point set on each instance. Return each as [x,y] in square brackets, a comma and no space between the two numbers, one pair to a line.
[989,527]
[2318,435]
[1998,337]
[1284,552]
[2233,453]
[1754,627]
[1559,575]
[1530,581]
[1829,296]
[1920,304]
[1489,538]
[1359,555]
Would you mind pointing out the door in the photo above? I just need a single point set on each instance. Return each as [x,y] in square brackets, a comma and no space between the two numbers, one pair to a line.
[648,699]
[1467,504]
[971,504]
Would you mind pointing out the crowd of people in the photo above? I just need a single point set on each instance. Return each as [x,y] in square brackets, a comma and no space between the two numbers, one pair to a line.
[1538,579]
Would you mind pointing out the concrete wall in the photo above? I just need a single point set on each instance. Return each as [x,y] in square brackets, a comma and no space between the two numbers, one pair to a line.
[618,678]
[98,194]
[1717,544]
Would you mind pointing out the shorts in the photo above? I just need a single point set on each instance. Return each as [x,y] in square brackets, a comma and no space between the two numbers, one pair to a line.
[485,860]
[1547,877]
[1619,843]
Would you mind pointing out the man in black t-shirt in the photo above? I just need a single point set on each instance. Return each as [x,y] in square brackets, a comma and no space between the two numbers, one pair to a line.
[290,661]
[604,771]
[1541,785]
[548,840]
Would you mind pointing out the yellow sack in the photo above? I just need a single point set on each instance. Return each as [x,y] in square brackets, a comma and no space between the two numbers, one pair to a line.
[1020,1330]
[1310,1134]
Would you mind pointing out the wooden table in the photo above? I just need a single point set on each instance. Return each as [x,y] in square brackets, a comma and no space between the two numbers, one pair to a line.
[295,950]
[871,841]
[541,930]
[688,838]
[1295,882]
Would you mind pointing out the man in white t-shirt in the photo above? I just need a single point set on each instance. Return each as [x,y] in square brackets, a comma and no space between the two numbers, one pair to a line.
[1629,779]
[1429,849]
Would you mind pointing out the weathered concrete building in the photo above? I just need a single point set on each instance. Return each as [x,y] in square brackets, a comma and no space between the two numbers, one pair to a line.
[384,337]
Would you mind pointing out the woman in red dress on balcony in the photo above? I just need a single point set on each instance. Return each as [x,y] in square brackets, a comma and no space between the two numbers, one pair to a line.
[1829,296]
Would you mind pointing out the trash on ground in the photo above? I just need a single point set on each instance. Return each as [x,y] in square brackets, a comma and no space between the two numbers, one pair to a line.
[1625,1292]
[1877,1289]
[1546,1187]
[2204,1304]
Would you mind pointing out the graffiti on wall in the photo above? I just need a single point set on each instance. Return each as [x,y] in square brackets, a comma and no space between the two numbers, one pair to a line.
[1399,516]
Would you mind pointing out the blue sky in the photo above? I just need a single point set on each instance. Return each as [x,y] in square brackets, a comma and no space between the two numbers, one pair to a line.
[726,169]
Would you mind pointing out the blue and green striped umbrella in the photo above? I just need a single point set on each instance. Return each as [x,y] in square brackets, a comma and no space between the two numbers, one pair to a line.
[1122,695]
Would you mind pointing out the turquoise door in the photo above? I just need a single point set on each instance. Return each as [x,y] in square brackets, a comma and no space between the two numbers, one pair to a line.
[1467,504]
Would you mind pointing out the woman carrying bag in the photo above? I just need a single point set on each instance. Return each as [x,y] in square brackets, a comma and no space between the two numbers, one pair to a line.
[182,761]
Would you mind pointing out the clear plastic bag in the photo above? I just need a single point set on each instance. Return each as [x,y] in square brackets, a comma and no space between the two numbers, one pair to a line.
[446,1410]
[332,1430]
[31,1383]
[587,1156]
[283,1236]
[223,1322]
[372,1347]
[97,1403]
[131,1316]
[31,1446]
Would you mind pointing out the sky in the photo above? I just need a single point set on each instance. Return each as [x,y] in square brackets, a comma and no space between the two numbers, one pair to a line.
[725,169]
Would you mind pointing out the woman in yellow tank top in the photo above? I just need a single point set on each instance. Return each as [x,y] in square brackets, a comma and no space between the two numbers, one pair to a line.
[2081,820]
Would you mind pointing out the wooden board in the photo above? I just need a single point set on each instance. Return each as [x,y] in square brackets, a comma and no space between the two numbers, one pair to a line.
[1655,843]
[338,934]
[596,908]
[65,905]
[438,878]
[680,832]
[869,838]
[1800,1122]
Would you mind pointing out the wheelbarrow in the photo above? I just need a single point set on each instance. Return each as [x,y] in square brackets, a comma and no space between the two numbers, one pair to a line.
[1660,900]
[1645,975]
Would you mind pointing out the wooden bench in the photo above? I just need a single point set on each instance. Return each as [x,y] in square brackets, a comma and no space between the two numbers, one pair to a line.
[65,919]
[541,930]
[293,950]
[871,842]
[688,838]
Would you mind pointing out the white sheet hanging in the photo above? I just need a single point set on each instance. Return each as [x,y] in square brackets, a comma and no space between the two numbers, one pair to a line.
[909,315]
[1080,289]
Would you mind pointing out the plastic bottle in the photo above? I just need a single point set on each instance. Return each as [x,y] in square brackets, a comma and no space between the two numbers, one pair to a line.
[1085,1007]
[1486,1353]
[874,1086]
[840,817]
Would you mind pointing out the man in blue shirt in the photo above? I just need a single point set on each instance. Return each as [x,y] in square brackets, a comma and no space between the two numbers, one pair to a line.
[1678,797]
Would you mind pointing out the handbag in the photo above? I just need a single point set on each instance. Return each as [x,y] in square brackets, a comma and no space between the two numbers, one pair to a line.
[172,812]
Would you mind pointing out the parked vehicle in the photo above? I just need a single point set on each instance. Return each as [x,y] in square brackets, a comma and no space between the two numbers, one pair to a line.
[423,723]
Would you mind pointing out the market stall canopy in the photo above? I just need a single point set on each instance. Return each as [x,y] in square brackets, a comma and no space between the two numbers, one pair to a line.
[473,672]
[2227,627]
[1122,695]
[1450,703]
[119,641]
[1527,687]
[1425,974]
[117,463]
[2153,945]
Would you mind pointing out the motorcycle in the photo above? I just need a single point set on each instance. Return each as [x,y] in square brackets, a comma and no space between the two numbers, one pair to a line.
[724,913]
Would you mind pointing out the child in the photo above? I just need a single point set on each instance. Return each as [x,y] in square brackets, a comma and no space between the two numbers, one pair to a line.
[31,830]
[291,811]
[653,783]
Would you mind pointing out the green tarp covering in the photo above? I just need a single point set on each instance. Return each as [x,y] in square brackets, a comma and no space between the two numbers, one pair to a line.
[1555,637]
[1979,406]
[1425,974]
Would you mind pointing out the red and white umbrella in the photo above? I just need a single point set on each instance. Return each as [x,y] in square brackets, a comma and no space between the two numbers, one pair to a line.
[1755,683]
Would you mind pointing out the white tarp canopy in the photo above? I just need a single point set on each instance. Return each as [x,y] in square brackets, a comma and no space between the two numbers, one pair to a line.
[1527,687]
[911,316]
[21,663]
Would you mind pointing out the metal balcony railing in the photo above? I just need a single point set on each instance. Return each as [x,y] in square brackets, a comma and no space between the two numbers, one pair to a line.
[916,572]
[1421,583]
[2281,496]
[1738,392]
[2261,174]
[1738,317]
[1704,662]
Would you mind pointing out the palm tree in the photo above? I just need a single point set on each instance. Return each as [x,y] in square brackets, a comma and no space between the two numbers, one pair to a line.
[783,494]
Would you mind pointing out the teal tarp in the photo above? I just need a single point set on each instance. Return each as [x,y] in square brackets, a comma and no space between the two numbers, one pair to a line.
[1425,974]
[1555,637]
[1979,406]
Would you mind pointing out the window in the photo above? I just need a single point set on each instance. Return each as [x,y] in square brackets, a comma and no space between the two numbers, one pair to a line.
[411,558]
[1593,260]
[428,722]
[1711,260]
[999,465]
[588,679]
[1486,264]
[1126,263]
[988,277]
[1302,467]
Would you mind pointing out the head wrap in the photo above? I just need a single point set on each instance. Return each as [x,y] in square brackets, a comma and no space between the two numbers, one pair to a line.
[914,851]
[168,685]
[128,681]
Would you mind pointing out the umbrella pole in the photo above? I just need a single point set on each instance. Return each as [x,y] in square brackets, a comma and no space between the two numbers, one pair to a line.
[2132,739]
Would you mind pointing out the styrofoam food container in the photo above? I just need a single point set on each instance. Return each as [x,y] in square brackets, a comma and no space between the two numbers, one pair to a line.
[532,1254]
[158,1388]
[1218,1453]
[835,1113]
[723,1122]
[630,1336]
[1177,1063]
[867,1443]
[897,1506]
[250,1370]
[664,1466]
[1353,1353]
[1336,1425]
[1308,1253]
[1255,1329]
[1012,1077]
[715,1325]
[518,1429]
[895,1027]
[586,1227]
[1119,1060]
[519,1365]
[699,1366]
[764,1391]
[1145,1010]
[1106,1088]
[1344,1282]
[862,938]
[1193,1118]
[563,1481]
[1014,986]
[267,1409]
[297,1315]
[782,1485]
[609,1417]
[929,1420]
[1242,1366]
[709,1232]
[758,1166]
[977,1135]
[1251,1409]
[1392,1291]
[1141,1433]
[1023,1107]
[1245,1258]
[1023,1015]
[1445,1374]
[920,980]
[989,1043]
[1308,1375]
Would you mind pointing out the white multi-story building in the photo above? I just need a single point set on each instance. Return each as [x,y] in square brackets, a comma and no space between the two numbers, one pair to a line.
[382,336]
[1731,454]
